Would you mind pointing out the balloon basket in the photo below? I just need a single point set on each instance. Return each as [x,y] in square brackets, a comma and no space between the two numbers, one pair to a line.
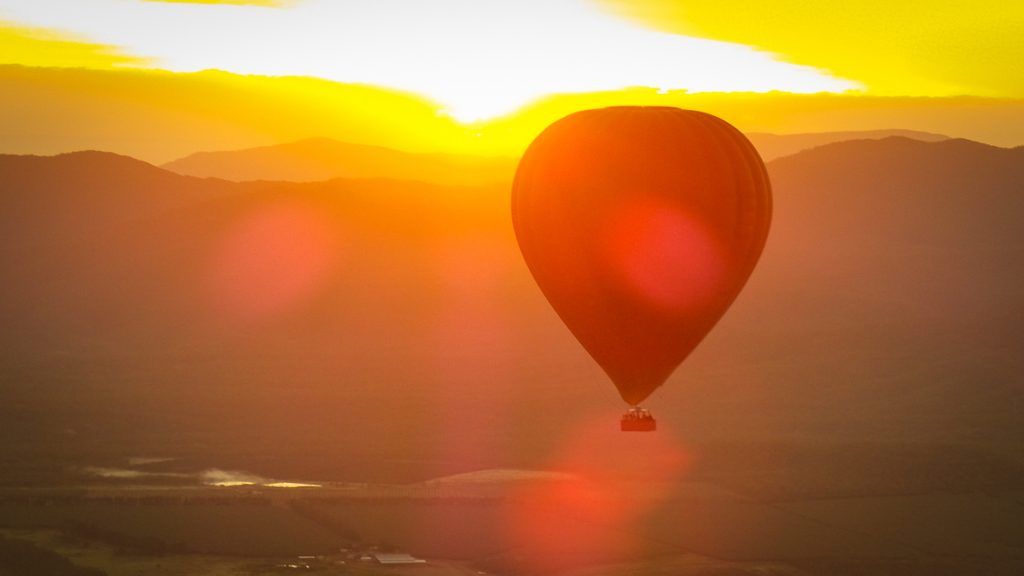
[638,420]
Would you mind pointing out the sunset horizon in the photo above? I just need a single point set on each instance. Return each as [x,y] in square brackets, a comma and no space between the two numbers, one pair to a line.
[453,96]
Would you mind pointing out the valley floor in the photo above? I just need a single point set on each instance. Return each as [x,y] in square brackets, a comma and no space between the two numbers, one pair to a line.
[505,524]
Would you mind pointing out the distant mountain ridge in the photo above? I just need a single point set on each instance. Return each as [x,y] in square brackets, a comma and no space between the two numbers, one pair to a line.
[772,146]
[318,159]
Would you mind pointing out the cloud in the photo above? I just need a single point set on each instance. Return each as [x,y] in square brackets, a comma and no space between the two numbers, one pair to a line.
[32,46]
[907,47]
[479,59]
[266,3]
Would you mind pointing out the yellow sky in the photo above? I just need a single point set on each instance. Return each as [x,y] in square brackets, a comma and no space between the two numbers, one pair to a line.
[160,116]
[485,76]
[481,59]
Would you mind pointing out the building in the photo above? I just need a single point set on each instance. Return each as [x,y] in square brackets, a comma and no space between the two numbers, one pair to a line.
[392,559]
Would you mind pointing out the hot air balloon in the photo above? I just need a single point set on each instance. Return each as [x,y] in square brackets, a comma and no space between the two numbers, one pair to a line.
[640,225]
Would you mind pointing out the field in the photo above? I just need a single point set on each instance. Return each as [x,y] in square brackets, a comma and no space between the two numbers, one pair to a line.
[510,525]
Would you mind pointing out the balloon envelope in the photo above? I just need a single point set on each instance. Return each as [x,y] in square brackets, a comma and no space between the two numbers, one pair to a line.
[641,225]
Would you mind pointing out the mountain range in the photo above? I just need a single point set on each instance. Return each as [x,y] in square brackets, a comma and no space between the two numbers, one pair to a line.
[323,159]
[139,305]
[318,159]
[772,146]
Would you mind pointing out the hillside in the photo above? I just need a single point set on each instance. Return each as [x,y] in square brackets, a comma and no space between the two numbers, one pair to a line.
[45,197]
[895,265]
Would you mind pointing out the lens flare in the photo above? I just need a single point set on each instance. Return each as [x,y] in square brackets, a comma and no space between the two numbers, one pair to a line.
[617,480]
[271,261]
[664,257]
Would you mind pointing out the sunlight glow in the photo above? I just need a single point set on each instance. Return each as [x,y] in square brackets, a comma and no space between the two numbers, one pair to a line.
[479,59]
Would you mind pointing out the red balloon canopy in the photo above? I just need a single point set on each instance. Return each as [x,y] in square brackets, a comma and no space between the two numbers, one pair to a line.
[641,225]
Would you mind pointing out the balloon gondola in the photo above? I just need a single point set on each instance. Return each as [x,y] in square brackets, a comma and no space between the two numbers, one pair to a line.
[638,419]
[640,225]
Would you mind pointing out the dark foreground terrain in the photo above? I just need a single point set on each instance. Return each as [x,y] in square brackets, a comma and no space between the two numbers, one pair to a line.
[515,525]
